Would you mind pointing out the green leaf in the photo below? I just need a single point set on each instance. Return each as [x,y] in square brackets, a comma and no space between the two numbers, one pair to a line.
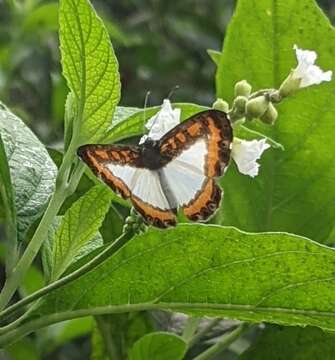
[291,343]
[32,171]
[210,270]
[214,55]
[78,227]
[159,346]
[46,252]
[295,190]
[128,122]
[90,67]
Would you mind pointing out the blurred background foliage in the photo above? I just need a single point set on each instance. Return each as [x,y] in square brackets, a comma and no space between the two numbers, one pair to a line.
[159,44]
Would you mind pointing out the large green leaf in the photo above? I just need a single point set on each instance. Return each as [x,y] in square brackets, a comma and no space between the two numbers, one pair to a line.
[295,190]
[159,346]
[78,227]
[32,171]
[90,67]
[208,269]
[292,343]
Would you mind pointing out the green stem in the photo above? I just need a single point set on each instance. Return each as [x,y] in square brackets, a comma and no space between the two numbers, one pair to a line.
[105,254]
[15,334]
[200,334]
[223,343]
[190,328]
[56,201]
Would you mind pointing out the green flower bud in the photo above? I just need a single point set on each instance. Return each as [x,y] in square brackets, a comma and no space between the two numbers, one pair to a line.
[239,104]
[270,115]
[290,85]
[220,104]
[242,88]
[256,107]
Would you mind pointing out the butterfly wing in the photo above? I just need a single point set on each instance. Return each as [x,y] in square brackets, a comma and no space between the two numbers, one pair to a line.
[197,151]
[192,154]
[118,166]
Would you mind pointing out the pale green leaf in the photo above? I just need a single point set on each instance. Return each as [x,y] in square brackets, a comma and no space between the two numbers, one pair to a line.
[295,189]
[159,346]
[90,67]
[78,227]
[32,171]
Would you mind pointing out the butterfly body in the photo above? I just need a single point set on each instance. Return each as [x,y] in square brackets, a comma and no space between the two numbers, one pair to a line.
[150,155]
[176,171]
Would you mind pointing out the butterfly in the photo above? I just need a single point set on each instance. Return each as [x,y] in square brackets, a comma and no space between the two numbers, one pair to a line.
[174,172]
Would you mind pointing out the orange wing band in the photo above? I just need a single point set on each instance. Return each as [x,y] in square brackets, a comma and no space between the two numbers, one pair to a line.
[205,204]
[154,216]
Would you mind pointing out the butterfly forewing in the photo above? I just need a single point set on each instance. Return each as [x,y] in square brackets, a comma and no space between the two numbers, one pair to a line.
[177,173]
[211,125]
[120,168]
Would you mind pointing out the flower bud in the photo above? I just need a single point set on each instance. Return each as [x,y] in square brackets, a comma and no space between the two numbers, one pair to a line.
[270,115]
[256,107]
[242,88]
[290,85]
[239,104]
[220,104]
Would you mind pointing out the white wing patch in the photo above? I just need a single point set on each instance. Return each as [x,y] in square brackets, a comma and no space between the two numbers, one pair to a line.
[143,183]
[185,175]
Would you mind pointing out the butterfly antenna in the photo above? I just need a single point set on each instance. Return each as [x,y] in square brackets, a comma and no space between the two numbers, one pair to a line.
[145,108]
[172,91]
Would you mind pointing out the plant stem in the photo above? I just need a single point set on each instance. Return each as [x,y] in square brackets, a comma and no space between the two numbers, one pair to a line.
[190,328]
[106,253]
[223,343]
[200,334]
[56,201]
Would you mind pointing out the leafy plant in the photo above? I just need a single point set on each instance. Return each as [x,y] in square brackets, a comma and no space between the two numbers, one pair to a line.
[259,260]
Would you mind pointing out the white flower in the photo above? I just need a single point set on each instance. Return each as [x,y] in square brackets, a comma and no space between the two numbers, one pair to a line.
[246,153]
[306,71]
[158,125]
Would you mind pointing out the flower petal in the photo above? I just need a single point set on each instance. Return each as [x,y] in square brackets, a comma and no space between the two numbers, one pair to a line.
[159,124]
[246,153]
[306,71]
